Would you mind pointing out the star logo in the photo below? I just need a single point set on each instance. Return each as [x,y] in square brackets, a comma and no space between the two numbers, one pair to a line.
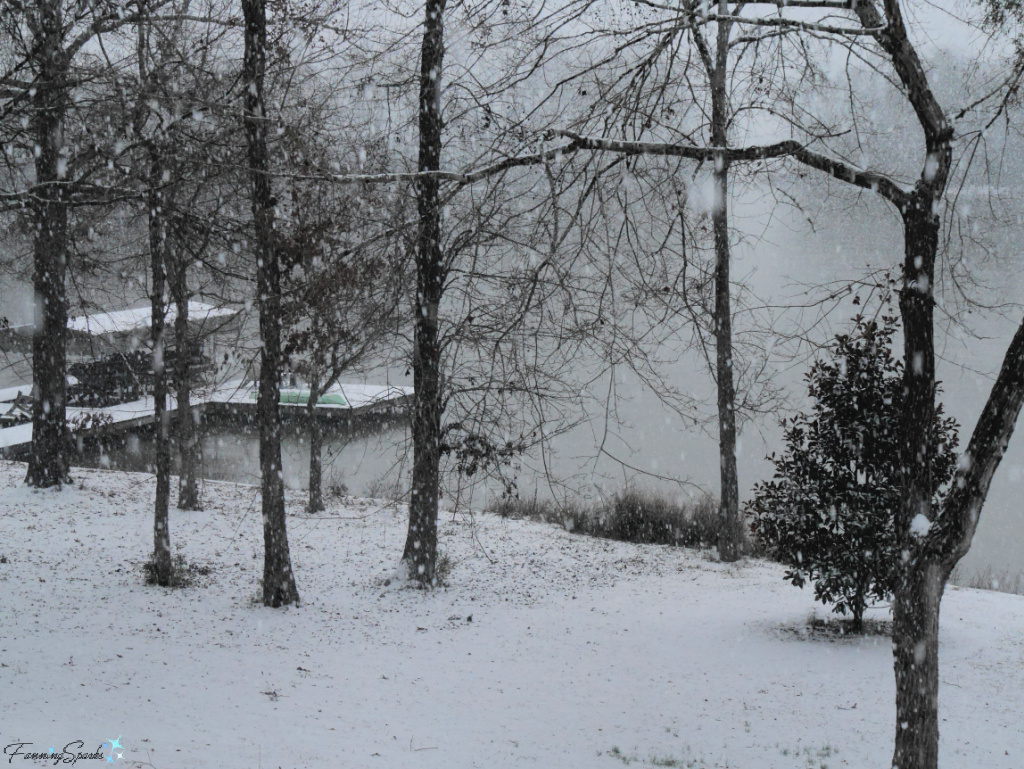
[116,749]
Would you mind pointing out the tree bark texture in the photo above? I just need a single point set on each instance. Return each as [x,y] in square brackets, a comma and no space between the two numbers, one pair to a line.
[932,559]
[278,580]
[316,438]
[420,554]
[915,636]
[163,567]
[730,537]
[921,234]
[915,650]
[48,458]
[187,434]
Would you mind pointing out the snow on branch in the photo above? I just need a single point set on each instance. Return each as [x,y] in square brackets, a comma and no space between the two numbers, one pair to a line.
[462,179]
[869,180]
[806,26]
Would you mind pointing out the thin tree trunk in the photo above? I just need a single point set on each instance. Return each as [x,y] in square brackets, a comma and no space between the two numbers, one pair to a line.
[48,458]
[316,492]
[188,443]
[730,537]
[420,554]
[858,612]
[157,250]
[279,587]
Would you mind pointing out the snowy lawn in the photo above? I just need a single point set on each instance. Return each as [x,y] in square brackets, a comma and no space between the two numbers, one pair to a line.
[548,649]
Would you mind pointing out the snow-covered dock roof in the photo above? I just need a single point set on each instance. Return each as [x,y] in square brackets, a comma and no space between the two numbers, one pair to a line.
[140,318]
[351,397]
[340,396]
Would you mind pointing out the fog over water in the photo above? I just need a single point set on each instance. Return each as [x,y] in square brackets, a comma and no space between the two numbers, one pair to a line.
[777,262]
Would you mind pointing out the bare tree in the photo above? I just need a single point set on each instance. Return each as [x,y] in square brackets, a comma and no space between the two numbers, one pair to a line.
[156,204]
[42,81]
[48,461]
[344,288]
[933,541]
[185,430]
[420,553]
[278,580]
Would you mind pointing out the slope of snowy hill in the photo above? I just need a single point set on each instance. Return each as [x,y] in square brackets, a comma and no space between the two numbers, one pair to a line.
[547,648]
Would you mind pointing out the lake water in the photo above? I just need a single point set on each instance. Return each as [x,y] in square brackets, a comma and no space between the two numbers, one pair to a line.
[367,460]
[376,460]
[646,437]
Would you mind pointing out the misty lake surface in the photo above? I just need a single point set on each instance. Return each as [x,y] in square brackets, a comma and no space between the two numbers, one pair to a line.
[376,461]
[646,437]
[369,460]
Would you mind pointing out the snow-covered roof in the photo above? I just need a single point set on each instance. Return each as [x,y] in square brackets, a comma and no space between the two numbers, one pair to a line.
[352,396]
[340,396]
[8,394]
[139,318]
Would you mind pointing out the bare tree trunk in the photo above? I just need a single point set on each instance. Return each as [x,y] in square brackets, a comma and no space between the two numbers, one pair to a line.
[931,560]
[316,492]
[916,602]
[48,459]
[157,251]
[857,610]
[278,580]
[730,537]
[420,554]
[921,235]
[188,442]
[915,649]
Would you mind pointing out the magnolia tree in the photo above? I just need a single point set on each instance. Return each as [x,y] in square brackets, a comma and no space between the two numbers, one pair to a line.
[829,513]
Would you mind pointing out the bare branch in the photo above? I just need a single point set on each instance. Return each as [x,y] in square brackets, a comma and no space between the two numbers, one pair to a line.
[868,180]
[806,26]
[462,179]
[951,536]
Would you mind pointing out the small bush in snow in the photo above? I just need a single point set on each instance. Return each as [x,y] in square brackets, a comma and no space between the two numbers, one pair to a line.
[186,573]
[641,515]
[443,569]
[336,489]
[829,512]
[632,515]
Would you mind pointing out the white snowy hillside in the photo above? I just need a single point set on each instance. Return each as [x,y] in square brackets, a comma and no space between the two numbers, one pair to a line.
[547,649]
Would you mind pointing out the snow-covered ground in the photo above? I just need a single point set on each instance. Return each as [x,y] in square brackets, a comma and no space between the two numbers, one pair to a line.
[548,649]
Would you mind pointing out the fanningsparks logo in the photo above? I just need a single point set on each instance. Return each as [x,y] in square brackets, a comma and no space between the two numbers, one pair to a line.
[71,753]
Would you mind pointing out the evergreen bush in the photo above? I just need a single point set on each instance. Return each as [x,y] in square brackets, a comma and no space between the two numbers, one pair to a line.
[829,512]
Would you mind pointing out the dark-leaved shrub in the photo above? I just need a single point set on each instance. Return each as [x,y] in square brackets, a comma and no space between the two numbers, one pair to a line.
[635,514]
[828,514]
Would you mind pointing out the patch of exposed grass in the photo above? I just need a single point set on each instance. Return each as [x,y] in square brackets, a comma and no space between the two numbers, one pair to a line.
[660,761]
[813,758]
[833,628]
